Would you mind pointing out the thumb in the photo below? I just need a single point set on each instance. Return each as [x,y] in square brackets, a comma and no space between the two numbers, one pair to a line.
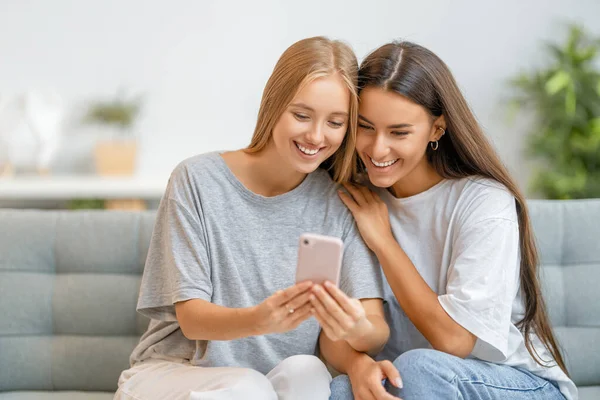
[392,374]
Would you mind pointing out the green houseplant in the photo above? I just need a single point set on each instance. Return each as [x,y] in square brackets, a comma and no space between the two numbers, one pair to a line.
[565,99]
[115,154]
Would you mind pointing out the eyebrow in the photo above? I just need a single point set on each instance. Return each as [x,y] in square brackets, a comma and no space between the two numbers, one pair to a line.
[302,105]
[395,126]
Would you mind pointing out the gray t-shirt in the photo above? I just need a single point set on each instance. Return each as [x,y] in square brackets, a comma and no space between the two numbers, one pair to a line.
[216,240]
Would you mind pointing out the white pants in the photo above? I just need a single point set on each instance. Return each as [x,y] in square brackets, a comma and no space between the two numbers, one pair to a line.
[297,377]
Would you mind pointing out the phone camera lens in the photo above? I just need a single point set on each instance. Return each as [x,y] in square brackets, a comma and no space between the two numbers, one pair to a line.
[306,242]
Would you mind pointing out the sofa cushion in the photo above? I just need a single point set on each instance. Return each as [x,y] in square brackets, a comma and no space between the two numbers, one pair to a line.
[567,235]
[589,392]
[69,283]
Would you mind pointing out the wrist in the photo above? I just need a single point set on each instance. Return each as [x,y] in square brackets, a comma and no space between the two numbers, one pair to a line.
[386,242]
[357,363]
[252,321]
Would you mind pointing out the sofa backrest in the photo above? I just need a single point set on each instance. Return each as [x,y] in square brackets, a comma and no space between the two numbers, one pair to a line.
[568,237]
[68,290]
[69,283]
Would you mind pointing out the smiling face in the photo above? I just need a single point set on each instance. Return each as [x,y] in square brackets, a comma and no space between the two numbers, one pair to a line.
[393,135]
[313,125]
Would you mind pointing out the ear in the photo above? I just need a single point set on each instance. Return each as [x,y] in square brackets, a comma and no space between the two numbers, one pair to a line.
[438,129]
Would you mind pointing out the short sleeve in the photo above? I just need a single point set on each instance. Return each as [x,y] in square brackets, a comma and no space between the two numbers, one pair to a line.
[361,276]
[482,281]
[177,266]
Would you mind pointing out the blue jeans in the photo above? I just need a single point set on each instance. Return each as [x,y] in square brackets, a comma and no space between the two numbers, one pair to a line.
[430,374]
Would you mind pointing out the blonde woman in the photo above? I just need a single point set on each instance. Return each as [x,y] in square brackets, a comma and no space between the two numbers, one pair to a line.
[227,320]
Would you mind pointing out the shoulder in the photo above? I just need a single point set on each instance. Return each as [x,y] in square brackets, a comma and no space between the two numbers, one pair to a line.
[191,175]
[325,191]
[196,165]
[482,198]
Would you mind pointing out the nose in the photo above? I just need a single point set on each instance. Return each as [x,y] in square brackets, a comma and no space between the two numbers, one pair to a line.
[315,135]
[379,147]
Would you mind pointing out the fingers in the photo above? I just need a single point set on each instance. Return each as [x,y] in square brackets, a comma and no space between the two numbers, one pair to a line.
[378,391]
[298,301]
[320,315]
[364,393]
[366,192]
[300,315]
[331,308]
[357,195]
[348,201]
[350,306]
[283,296]
[392,373]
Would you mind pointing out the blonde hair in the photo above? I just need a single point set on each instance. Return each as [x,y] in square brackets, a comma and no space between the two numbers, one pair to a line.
[303,62]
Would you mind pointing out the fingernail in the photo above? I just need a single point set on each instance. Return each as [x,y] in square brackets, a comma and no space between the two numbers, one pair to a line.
[316,288]
[328,284]
[311,297]
[312,310]
[398,382]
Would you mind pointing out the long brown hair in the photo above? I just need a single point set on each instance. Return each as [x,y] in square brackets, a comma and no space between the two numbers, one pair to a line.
[419,75]
[301,63]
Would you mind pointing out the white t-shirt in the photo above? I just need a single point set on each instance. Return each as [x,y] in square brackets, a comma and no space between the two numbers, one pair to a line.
[462,235]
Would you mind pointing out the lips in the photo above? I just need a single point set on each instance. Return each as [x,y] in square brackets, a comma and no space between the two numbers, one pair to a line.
[307,150]
[383,164]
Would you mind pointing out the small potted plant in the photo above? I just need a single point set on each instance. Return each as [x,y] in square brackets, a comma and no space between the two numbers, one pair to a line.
[115,153]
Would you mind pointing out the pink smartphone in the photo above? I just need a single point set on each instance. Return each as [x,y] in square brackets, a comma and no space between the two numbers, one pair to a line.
[319,258]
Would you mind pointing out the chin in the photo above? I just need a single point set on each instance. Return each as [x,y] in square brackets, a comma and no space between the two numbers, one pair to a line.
[382,182]
[306,168]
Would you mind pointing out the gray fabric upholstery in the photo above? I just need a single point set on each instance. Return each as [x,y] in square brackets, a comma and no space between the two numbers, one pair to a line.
[69,283]
[68,289]
[568,237]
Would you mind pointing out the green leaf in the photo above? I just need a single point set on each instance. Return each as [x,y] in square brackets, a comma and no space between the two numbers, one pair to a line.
[558,82]
[564,97]
[570,102]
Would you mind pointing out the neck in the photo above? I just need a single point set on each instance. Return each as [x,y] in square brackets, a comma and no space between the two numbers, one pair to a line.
[275,174]
[422,178]
[265,172]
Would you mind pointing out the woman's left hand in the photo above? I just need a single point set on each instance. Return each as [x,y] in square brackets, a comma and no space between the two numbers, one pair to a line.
[341,317]
[370,213]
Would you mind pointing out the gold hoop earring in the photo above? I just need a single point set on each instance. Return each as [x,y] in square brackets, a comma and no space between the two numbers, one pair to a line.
[434,145]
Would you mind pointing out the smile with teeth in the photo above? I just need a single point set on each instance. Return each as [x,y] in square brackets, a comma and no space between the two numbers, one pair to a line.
[383,164]
[306,150]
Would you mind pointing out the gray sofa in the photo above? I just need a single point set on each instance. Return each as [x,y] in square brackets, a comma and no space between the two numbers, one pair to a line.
[69,284]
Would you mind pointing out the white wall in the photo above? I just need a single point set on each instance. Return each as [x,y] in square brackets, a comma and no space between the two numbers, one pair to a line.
[202,64]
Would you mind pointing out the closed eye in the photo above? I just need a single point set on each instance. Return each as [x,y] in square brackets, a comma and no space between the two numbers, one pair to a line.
[301,117]
[399,133]
[363,126]
[335,124]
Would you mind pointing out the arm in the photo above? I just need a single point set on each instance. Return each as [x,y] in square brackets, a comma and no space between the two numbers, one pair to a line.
[420,303]
[416,298]
[365,374]
[372,340]
[202,320]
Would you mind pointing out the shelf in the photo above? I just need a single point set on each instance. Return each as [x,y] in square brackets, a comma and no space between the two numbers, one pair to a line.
[81,187]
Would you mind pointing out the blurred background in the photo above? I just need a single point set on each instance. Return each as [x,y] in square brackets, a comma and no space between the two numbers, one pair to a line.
[99,100]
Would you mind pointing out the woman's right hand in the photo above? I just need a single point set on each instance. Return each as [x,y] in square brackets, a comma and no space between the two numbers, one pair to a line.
[284,310]
[366,376]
